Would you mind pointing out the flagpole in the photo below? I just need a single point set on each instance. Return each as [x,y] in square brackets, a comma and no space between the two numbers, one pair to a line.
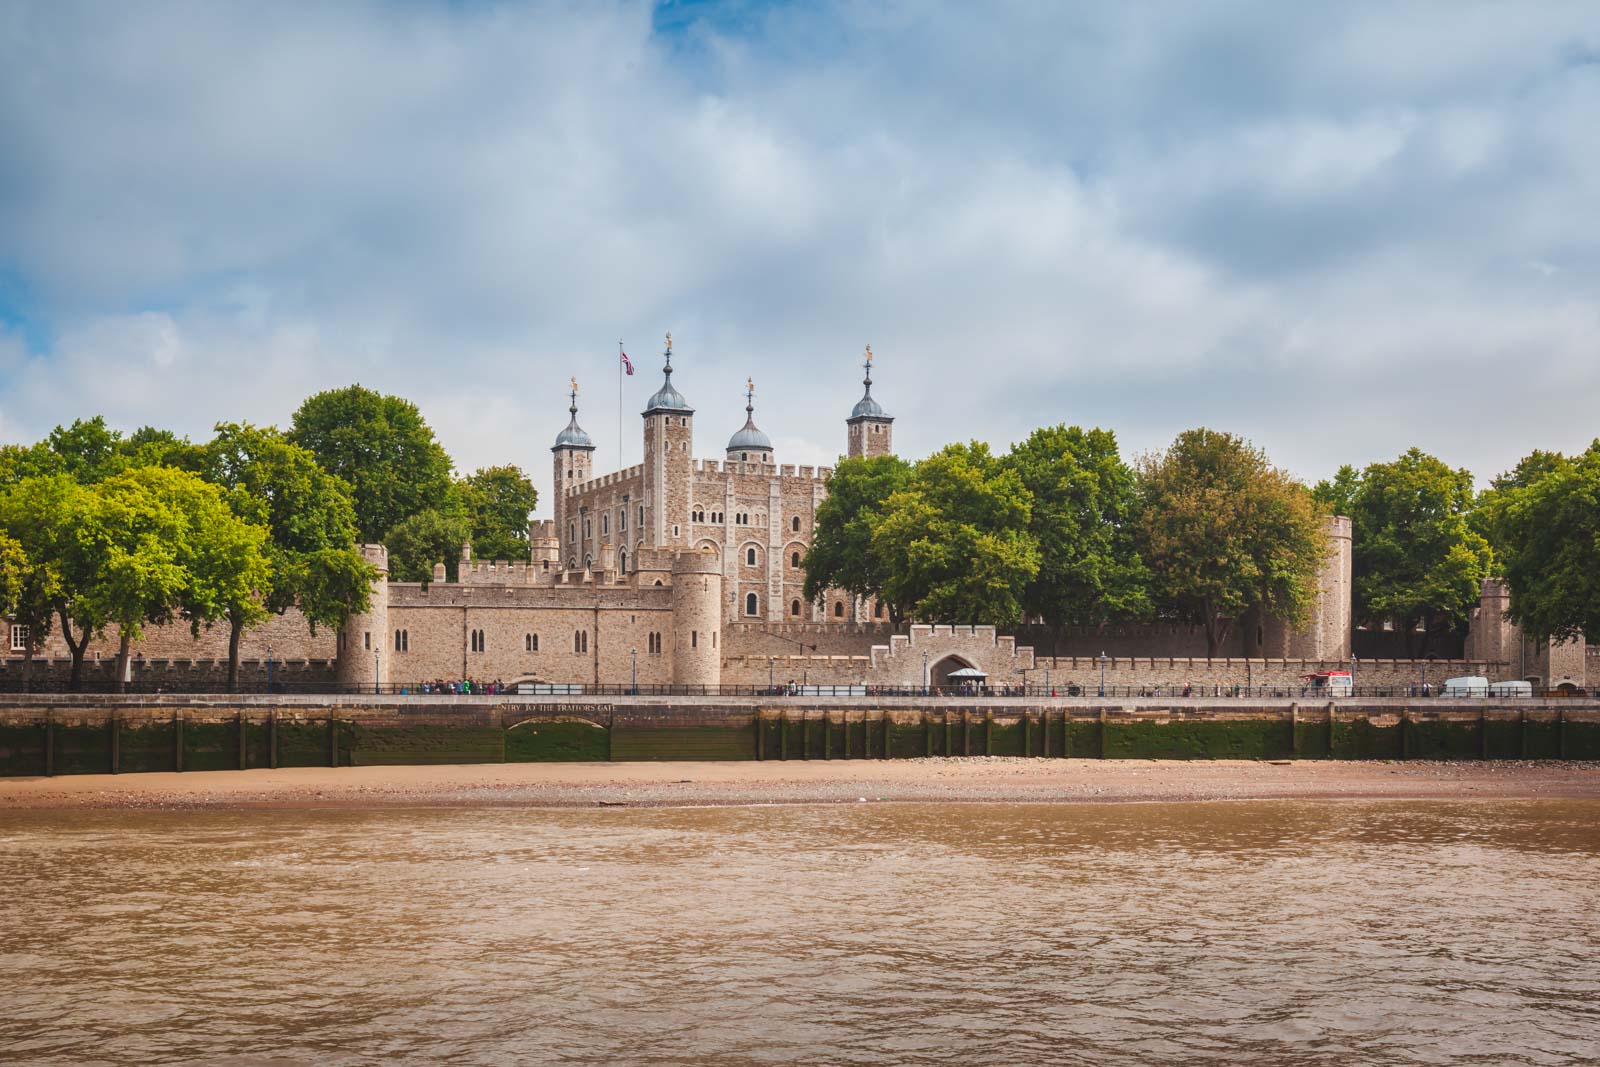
[620,352]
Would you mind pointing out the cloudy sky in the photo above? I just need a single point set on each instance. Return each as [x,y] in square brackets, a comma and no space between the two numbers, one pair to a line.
[1338,229]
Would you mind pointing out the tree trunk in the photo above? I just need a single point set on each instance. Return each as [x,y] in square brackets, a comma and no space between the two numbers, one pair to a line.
[235,631]
[124,644]
[77,648]
[27,664]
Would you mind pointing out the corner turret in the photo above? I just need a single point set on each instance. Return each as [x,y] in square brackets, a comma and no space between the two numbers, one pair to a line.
[871,429]
[573,456]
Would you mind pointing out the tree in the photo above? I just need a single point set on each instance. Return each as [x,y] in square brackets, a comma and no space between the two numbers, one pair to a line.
[170,547]
[424,539]
[46,514]
[382,447]
[88,450]
[1417,559]
[1224,532]
[841,554]
[1085,502]
[498,502]
[310,518]
[1547,524]
[955,540]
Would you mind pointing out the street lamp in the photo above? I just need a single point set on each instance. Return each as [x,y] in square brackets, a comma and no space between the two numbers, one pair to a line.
[924,672]
[634,652]
[1102,672]
[771,684]
[375,655]
[269,668]
[1352,674]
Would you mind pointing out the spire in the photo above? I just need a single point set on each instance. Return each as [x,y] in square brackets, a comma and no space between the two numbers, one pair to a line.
[667,398]
[750,438]
[867,407]
[573,436]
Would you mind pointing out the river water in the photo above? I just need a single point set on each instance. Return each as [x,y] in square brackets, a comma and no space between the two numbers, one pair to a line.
[1262,933]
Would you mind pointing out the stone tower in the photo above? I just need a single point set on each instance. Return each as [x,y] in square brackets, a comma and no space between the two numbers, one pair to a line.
[871,429]
[668,456]
[697,618]
[574,455]
[364,655]
[1326,634]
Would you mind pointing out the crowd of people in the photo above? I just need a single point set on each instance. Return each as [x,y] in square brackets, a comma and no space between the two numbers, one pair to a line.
[465,687]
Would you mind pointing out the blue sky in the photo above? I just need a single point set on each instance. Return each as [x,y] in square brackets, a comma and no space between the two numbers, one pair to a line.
[1340,230]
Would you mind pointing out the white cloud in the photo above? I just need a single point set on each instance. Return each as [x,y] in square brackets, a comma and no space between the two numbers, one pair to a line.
[1340,231]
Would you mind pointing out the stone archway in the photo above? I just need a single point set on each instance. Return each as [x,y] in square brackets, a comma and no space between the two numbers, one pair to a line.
[939,673]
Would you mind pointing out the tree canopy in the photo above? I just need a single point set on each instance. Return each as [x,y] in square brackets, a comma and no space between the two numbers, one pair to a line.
[1224,532]
[841,554]
[955,541]
[498,502]
[1085,505]
[1545,520]
[382,447]
[310,518]
[1418,561]
[426,538]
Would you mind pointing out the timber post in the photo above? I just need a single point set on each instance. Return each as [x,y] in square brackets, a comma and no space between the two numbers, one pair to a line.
[239,726]
[115,724]
[177,740]
[1294,729]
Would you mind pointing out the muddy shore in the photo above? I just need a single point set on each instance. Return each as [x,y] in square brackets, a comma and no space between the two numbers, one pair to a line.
[993,779]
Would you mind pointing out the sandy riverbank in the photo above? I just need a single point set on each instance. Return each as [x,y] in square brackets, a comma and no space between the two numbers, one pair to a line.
[658,784]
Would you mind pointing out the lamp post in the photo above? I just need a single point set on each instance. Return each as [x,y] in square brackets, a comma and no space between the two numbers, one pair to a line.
[1352,674]
[634,652]
[269,668]
[1102,672]
[1422,677]
[375,655]
[771,684]
[924,672]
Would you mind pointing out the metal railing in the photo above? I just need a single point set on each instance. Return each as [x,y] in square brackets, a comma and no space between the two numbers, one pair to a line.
[12,683]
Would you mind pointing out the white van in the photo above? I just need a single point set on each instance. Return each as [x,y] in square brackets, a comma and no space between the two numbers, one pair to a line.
[1466,686]
[1511,689]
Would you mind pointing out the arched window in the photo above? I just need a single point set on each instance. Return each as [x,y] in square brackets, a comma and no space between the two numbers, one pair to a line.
[750,557]
[405,640]
[838,609]
[794,524]
[397,640]
[794,559]
[577,640]
[622,562]
[751,604]
[794,608]
[605,524]
[744,457]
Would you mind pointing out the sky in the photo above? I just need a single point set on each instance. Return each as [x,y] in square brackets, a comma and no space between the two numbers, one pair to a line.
[1339,230]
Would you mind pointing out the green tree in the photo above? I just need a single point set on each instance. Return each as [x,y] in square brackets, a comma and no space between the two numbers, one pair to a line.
[89,451]
[1546,521]
[1418,561]
[310,518]
[1085,503]
[955,540]
[1224,532]
[424,539]
[169,547]
[150,447]
[49,516]
[841,554]
[382,447]
[498,502]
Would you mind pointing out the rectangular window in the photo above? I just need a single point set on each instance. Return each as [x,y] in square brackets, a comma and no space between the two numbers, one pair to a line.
[19,638]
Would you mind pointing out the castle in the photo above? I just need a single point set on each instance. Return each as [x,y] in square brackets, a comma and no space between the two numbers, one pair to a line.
[688,572]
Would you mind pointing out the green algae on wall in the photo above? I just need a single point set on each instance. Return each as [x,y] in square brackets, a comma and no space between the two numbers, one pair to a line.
[1199,739]
[564,741]
[734,742]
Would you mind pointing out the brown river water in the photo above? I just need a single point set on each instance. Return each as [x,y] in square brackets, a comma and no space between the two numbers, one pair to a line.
[1262,933]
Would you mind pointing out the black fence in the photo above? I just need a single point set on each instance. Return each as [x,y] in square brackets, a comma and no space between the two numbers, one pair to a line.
[11,682]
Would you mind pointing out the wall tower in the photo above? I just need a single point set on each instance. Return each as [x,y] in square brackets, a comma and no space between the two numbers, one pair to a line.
[574,454]
[365,644]
[668,457]
[697,618]
[870,428]
[749,445]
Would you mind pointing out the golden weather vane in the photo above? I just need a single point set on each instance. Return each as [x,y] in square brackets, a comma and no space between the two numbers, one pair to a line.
[669,340]
[869,353]
[574,385]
